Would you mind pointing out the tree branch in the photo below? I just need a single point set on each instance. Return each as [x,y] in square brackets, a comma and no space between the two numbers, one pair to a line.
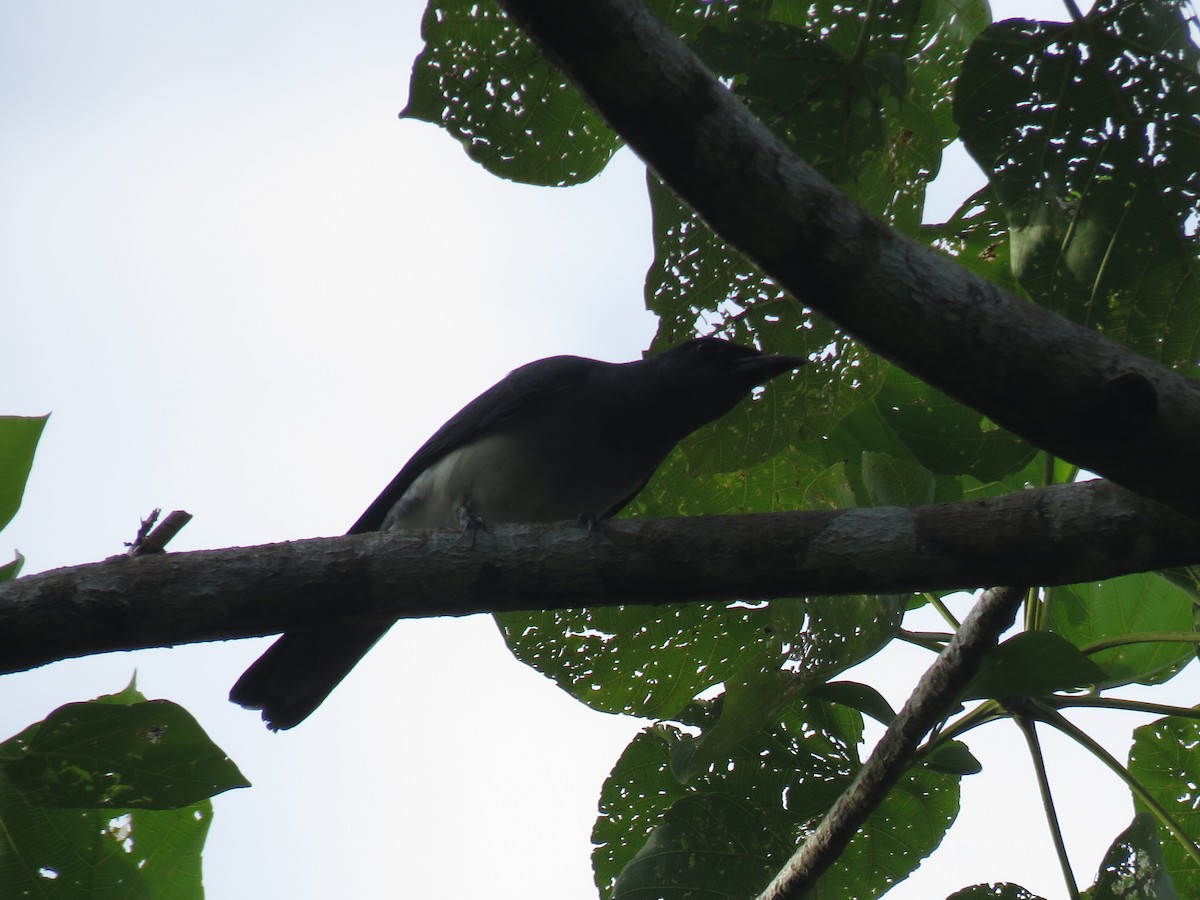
[935,694]
[1057,535]
[1059,385]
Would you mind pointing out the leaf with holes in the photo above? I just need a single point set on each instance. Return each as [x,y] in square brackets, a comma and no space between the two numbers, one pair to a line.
[1088,131]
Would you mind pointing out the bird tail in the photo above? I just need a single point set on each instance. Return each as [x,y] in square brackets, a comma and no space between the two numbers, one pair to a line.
[300,670]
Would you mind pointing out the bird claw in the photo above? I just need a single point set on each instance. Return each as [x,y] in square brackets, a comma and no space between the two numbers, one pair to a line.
[591,521]
[471,524]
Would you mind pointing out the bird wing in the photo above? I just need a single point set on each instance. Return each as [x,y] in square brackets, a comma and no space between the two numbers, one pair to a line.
[518,392]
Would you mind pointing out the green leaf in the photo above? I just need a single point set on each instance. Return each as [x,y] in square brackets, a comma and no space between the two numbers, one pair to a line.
[862,429]
[969,455]
[887,71]
[1133,867]
[639,660]
[830,489]
[773,790]
[896,482]
[1031,664]
[944,436]
[744,708]
[1126,607]
[652,661]
[977,237]
[711,844]
[1164,759]
[89,754]
[831,85]
[483,80]
[98,755]
[801,70]
[696,277]
[127,696]
[679,489]
[844,450]
[906,827]
[953,758]
[11,570]
[825,635]
[865,99]
[820,636]
[804,758]
[100,854]
[1001,891]
[858,696]
[814,98]
[18,440]
[749,444]
[1088,131]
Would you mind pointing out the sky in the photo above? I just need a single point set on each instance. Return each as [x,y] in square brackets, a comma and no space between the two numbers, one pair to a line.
[245,288]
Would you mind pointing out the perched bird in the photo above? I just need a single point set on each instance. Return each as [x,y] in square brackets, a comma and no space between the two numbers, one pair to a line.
[560,438]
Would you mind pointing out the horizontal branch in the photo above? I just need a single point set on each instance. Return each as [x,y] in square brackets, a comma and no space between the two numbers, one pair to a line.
[1063,387]
[1058,535]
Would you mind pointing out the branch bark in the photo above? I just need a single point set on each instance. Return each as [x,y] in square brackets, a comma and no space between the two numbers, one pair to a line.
[1061,386]
[1058,535]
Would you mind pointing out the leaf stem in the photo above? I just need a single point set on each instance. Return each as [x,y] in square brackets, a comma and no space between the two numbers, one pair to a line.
[986,712]
[1047,606]
[1033,610]
[1029,732]
[1157,709]
[928,640]
[1035,615]
[1146,637]
[944,611]
[1055,718]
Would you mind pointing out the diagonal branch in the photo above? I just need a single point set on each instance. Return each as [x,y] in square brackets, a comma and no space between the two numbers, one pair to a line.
[1057,535]
[935,695]
[1059,385]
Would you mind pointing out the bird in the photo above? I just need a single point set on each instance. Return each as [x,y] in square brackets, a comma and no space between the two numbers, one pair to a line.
[561,438]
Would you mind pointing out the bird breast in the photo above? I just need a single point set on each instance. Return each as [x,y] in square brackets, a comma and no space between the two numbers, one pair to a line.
[502,478]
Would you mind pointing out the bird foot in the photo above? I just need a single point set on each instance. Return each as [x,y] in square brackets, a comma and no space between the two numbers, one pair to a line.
[471,524]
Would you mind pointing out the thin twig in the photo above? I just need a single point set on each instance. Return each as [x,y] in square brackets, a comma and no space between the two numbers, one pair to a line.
[154,541]
[135,547]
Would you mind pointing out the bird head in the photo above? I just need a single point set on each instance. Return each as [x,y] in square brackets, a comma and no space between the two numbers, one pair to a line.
[707,377]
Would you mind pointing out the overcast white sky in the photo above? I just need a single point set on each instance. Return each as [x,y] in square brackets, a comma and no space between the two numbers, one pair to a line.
[245,289]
